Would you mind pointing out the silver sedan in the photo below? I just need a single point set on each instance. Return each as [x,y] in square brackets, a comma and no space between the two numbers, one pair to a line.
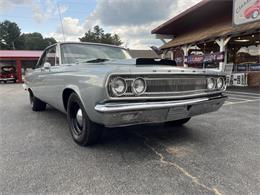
[99,85]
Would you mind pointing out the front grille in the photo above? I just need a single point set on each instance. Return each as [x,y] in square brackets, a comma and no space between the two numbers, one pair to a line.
[165,85]
[175,85]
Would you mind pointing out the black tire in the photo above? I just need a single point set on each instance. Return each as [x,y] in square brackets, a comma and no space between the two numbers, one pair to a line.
[84,131]
[37,104]
[178,122]
[5,81]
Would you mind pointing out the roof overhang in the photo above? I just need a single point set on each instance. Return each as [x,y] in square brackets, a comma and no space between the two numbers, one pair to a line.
[211,32]
[159,36]
[20,54]
[206,11]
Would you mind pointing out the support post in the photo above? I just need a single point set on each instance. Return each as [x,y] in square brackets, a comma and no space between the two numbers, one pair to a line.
[19,70]
[222,43]
[162,56]
[172,55]
[185,50]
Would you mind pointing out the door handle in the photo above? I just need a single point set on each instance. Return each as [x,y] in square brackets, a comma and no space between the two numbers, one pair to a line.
[45,68]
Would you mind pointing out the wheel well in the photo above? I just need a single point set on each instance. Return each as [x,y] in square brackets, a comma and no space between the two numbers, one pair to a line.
[65,97]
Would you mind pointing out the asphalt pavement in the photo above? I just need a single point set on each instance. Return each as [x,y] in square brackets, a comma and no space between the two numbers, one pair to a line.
[216,153]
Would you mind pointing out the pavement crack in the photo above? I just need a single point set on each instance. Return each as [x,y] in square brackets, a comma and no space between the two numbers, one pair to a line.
[181,169]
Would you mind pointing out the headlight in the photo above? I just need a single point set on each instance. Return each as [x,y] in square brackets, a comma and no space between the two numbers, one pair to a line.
[220,83]
[139,86]
[118,86]
[211,83]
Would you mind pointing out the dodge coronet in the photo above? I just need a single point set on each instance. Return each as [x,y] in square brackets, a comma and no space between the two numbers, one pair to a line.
[100,85]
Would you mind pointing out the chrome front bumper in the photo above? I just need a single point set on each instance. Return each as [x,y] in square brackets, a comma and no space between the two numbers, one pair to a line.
[124,114]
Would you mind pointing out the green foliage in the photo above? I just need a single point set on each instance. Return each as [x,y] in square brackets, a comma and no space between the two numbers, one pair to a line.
[99,36]
[11,38]
[9,33]
[34,41]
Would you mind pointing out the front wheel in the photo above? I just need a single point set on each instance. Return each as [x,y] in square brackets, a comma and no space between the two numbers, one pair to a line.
[178,122]
[83,130]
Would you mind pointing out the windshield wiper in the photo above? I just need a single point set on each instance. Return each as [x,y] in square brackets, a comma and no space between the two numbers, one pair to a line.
[93,60]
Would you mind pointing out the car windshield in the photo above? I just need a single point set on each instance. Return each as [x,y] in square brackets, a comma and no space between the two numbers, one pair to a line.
[76,53]
[7,69]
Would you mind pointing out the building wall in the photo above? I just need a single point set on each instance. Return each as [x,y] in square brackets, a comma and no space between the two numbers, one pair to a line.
[143,54]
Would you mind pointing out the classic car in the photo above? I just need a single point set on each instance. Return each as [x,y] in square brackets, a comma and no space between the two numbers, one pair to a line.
[8,73]
[100,85]
[253,11]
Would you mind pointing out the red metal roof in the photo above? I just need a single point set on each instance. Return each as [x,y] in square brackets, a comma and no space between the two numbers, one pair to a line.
[20,54]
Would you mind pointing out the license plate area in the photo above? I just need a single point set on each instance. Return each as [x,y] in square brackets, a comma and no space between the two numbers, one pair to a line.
[176,113]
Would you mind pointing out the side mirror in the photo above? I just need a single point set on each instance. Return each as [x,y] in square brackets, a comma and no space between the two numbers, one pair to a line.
[46,65]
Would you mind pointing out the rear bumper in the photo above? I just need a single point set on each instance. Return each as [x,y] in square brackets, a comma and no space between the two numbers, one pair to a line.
[124,114]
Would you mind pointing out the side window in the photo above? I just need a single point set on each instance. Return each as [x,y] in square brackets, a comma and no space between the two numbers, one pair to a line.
[41,61]
[50,56]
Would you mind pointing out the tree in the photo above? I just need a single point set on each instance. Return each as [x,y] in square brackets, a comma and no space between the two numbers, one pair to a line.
[34,41]
[11,38]
[98,36]
[9,34]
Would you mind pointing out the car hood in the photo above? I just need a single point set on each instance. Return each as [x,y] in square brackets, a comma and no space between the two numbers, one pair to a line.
[129,66]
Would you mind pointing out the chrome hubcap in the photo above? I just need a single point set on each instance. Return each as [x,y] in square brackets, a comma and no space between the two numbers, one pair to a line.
[255,14]
[79,117]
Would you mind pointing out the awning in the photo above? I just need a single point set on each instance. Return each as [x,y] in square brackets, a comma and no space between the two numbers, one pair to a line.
[215,31]
[20,54]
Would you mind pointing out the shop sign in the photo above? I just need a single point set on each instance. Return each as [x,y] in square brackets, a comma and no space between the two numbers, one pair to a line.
[207,58]
[245,11]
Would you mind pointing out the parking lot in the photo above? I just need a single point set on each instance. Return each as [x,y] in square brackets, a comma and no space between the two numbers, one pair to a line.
[216,153]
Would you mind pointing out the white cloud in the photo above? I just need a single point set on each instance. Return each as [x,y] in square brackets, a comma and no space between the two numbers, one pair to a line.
[134,12]
[47,9]
[41,10]
[72,29]
[6,5]
[132,20]
[139,35]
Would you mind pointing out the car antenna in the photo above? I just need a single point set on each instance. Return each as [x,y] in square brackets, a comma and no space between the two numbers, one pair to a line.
[62,29]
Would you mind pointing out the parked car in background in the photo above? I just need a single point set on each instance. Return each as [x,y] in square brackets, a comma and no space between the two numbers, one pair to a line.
[8,73]
[99,85]
[253,11]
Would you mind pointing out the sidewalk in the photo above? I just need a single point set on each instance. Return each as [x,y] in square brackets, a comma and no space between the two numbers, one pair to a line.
[245,89]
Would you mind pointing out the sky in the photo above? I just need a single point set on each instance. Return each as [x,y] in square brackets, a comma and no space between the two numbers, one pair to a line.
[132,20]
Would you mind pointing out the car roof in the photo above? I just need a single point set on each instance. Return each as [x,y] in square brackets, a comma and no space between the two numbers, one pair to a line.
[85,43]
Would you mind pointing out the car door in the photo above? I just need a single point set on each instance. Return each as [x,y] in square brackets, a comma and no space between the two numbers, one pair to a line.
[35,79]
[49,76]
